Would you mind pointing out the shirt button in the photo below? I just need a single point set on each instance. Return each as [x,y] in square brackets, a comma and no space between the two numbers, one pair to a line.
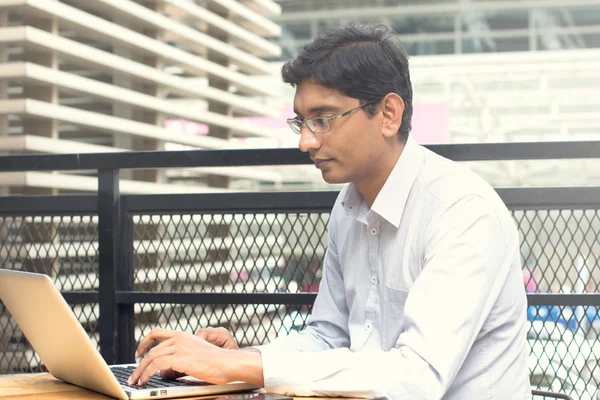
[373,231]
[368,326]
[373,280]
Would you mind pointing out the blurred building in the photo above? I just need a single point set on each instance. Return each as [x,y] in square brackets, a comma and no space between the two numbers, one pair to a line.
[433,27]
[81,76]
[108,75]
[485,71]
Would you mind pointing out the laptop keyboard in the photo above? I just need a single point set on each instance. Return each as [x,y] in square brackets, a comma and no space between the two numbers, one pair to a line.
[122,374]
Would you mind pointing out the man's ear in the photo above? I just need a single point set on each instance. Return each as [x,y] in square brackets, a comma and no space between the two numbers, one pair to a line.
[392,109]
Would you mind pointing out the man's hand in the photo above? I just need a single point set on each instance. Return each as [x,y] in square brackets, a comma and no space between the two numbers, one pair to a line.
[220,337]
[187,354]
[183,353]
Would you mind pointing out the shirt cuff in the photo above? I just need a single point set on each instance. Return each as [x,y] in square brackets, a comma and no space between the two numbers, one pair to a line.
[280,371]
[300,373]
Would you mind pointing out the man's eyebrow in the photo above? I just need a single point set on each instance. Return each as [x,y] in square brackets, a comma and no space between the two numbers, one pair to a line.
[318,109]
[321,109]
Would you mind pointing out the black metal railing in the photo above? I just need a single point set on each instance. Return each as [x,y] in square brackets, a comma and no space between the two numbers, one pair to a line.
[251,261]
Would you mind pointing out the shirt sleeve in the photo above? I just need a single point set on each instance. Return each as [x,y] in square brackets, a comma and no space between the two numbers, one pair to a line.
[465,267]
[327,326]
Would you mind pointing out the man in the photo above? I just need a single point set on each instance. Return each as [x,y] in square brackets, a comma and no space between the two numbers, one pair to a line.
[422,294]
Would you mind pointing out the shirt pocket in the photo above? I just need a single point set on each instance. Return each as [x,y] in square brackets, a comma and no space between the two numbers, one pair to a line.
[393,315]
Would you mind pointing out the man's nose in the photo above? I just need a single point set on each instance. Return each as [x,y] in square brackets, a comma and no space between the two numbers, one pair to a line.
[308,140]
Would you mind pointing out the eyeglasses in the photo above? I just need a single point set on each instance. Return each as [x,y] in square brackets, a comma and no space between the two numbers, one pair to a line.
[320,124]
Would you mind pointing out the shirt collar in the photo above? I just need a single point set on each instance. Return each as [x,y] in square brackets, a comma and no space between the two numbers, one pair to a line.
[354,204]
[391,200]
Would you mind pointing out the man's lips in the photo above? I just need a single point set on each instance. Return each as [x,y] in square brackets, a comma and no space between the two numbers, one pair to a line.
[321,162]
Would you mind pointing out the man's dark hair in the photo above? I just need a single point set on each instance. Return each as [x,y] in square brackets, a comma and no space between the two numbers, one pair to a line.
[363,62]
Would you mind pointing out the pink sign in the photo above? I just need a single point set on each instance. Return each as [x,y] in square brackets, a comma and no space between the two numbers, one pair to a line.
[272,123]
[430,123]
[184,126]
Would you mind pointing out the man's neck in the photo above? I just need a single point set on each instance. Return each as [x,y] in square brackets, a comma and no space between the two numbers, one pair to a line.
[371,185]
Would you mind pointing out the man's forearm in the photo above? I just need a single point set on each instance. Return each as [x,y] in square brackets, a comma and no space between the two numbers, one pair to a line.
[244,365]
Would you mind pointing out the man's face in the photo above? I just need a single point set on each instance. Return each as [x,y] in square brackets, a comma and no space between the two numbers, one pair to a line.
[350,150]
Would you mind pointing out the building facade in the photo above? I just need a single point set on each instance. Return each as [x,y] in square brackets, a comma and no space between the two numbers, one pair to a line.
[434,27]
[109,75]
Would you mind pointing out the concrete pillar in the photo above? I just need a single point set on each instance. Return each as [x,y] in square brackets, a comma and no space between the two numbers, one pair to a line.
[3,91]
[216,82]
[33,126]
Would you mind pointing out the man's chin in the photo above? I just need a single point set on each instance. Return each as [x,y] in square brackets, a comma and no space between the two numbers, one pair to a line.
[331,178]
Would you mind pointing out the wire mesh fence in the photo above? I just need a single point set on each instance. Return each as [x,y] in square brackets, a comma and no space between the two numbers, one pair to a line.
[230,253]
[282,253]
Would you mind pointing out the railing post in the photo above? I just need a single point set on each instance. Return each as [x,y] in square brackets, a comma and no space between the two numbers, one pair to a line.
[108,259]
[125,273]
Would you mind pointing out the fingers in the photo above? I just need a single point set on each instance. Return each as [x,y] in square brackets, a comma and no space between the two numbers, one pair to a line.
[210,331]
[203,333]
[157,363]
[156,334]
[151,363]
[170,374]
[220,337]
[211,335]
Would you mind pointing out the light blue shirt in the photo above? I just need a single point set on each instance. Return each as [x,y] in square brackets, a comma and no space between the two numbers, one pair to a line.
[422,295]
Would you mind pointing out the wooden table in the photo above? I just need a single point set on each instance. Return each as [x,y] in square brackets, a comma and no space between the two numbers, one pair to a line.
[42,386]
[47,387]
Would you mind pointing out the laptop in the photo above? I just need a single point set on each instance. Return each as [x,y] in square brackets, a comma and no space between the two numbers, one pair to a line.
[66,350]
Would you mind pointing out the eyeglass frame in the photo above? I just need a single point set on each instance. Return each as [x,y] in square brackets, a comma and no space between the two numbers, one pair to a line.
[292,121]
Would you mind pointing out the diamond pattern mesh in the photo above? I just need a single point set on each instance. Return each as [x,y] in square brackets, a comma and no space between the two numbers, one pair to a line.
[283,252]
[561,358]
[561,249]
[229,253]
[64,247]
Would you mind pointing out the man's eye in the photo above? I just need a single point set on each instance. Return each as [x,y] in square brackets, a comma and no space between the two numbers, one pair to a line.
[320,123]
